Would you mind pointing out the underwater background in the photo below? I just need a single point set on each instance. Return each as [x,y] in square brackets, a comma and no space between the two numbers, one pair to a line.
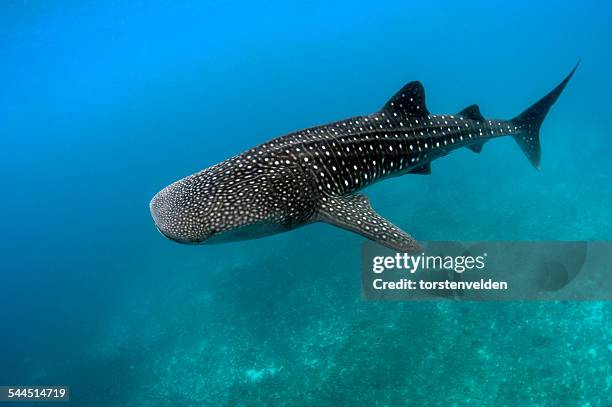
[103,103]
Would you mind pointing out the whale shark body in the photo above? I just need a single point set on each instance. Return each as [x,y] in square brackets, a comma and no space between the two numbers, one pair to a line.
[313,175]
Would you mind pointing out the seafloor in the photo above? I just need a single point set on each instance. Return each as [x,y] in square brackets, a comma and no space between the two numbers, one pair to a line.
[280,321]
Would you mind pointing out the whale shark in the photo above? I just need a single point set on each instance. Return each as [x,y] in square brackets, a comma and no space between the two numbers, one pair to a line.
[314,175]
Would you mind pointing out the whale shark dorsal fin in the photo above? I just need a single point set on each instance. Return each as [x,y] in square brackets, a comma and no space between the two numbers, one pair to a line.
[354,212]
[409,101]
[472,112]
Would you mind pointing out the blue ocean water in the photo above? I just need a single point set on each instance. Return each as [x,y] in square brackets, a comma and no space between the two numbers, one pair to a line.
[105,102]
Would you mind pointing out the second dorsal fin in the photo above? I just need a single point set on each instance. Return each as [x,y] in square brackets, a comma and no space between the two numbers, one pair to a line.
[472,112]
[409,101]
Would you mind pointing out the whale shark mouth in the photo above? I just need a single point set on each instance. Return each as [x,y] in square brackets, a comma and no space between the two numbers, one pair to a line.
[167,236]
[184,240]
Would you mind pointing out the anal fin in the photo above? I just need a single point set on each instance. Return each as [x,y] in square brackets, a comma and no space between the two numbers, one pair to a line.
[422,170]
[354,213]
[477,147]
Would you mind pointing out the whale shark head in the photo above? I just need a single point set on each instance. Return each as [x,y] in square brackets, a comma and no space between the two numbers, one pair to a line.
[183,212]
[213,206]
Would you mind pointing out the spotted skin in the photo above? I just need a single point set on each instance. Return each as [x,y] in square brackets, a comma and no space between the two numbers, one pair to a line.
[314,174]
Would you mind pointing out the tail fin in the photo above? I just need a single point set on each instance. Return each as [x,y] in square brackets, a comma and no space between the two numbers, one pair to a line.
[530,120]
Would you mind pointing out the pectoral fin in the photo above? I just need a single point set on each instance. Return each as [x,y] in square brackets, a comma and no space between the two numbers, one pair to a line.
[354,213]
